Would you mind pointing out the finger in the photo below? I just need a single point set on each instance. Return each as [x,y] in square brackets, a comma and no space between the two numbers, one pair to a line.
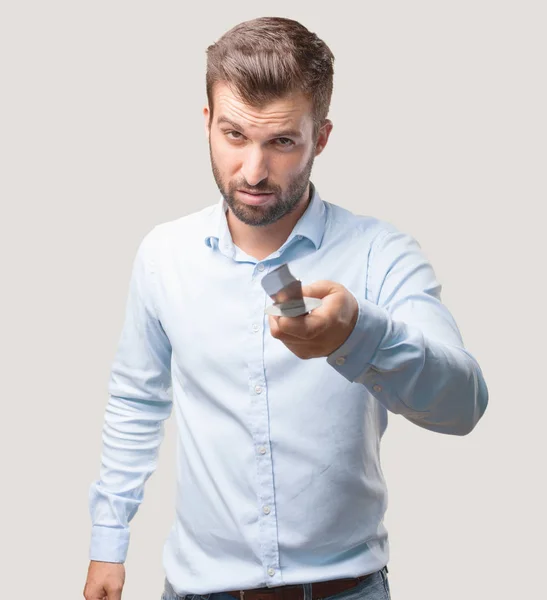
[92,592]
[290,328]
[115,594]
[302,349]
[274,327]
[305,327]
[319,289]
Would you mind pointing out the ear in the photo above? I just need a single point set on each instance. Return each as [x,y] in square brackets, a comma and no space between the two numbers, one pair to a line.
[206,115]
[323,137]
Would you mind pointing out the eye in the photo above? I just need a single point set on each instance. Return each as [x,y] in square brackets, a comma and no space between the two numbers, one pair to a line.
[233,135]
[285,142]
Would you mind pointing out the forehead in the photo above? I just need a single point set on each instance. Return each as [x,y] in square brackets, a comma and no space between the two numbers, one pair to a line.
[292,111]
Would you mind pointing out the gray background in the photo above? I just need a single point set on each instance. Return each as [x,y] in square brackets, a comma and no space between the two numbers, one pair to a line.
[439,127]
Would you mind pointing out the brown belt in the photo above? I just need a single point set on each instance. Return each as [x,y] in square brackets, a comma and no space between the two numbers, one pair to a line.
[319,590]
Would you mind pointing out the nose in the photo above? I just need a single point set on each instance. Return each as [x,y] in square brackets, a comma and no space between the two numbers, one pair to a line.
[254,167]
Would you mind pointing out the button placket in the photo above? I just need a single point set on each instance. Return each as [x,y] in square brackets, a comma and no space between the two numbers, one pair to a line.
[259,418]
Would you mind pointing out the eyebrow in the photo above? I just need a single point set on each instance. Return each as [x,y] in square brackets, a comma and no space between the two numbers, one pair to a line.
[285,133]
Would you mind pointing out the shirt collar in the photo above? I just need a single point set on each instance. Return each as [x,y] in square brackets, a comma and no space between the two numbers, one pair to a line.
[311,224]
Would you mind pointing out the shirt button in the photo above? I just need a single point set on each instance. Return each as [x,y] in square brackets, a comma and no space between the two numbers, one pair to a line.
[260,267]
[258,389]
[340,360]
[256,327]
[377,388]
[266,510]
[262,450]
[271,572]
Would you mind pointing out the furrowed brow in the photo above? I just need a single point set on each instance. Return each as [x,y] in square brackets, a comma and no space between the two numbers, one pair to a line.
[221,120]
[285,133]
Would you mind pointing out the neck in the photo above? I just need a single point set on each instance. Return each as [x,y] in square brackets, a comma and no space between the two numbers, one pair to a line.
[260,242]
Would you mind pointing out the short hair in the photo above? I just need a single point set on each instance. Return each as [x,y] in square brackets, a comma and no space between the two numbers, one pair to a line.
[267,58]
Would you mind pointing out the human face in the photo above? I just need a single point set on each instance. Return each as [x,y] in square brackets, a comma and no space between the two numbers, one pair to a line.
[261,157]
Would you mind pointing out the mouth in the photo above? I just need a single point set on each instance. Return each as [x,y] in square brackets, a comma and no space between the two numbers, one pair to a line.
[255,198]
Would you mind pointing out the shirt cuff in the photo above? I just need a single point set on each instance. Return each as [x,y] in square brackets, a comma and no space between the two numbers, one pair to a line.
[109,544]
[353,357]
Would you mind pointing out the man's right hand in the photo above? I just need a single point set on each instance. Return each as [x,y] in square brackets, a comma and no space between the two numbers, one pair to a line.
[104,581]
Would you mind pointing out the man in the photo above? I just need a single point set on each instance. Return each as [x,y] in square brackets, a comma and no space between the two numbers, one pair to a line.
[280,487]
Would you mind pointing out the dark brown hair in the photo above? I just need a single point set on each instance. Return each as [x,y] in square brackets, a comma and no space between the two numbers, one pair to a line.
[266,58]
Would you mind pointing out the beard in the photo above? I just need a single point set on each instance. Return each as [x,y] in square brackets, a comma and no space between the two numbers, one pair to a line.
[285,202]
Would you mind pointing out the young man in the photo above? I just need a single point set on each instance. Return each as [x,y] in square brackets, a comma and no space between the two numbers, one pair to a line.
[279,419]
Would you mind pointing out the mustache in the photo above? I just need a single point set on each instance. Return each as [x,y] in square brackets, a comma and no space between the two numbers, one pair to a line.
[261,188]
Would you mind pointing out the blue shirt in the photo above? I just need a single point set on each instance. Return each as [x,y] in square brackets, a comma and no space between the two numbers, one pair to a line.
[278,470]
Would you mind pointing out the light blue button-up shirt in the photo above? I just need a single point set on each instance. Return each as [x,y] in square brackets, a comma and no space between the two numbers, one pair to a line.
[278,473]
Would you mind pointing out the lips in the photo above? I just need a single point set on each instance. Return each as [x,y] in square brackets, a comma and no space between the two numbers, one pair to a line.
[255,193]
[254,199]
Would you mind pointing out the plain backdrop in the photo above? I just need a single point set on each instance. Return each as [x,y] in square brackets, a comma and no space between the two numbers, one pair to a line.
[439,115]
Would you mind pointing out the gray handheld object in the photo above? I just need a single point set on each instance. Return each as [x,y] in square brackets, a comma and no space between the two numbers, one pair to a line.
[286,292]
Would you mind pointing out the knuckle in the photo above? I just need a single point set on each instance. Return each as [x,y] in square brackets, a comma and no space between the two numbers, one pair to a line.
[282,327]
[300,352]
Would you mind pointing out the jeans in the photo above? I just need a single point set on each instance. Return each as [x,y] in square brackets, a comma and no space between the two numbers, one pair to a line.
[375,587]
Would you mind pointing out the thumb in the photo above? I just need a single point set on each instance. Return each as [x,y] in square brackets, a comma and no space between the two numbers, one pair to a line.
[319,289]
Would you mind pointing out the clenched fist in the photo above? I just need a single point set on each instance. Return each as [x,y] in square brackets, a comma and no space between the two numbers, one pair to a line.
[325,329]
[104,581]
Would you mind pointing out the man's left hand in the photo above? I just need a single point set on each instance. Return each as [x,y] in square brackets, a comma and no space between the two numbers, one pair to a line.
[325,329]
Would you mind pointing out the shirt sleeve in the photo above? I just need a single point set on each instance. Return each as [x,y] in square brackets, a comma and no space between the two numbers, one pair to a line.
[406,348]
[139,402]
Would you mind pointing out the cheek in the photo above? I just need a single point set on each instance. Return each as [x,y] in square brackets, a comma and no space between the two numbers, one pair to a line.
[225,159]
[290,165]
